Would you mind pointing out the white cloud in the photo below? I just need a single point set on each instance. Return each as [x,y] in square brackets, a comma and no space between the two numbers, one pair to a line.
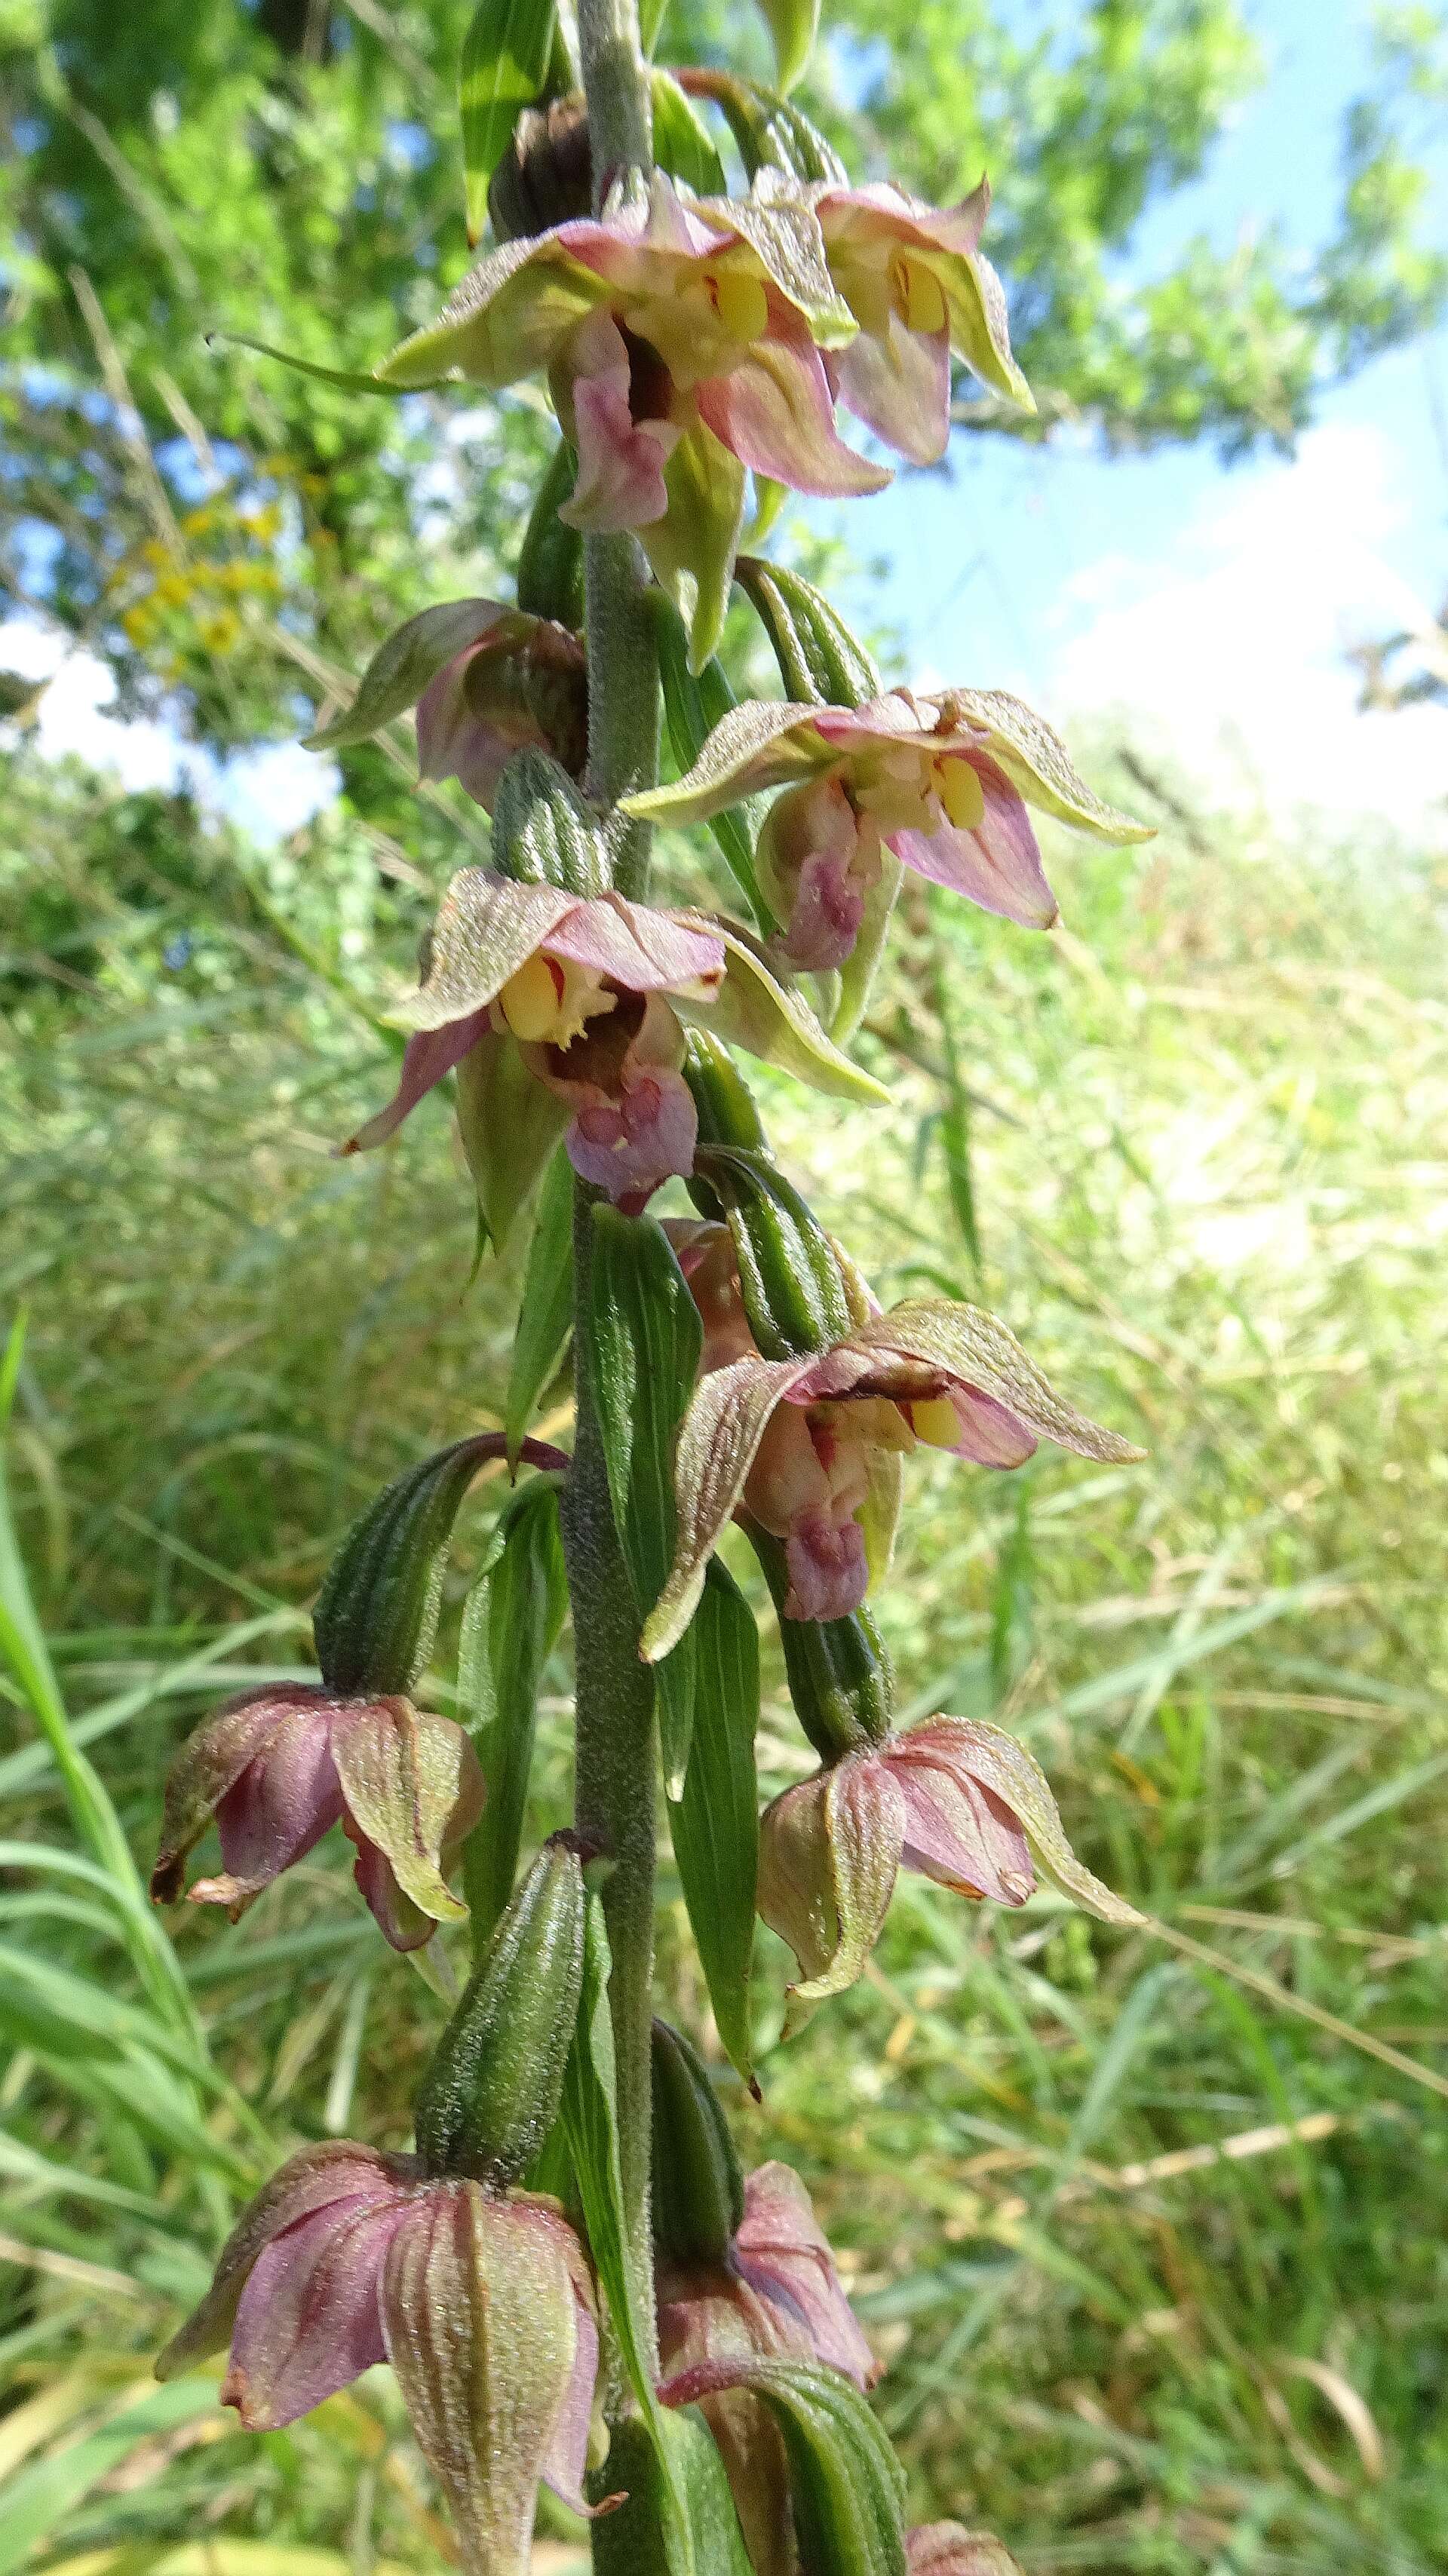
[268,792]
[1235,645]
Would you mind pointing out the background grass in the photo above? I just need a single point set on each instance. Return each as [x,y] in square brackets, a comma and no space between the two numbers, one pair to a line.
[1157,2264]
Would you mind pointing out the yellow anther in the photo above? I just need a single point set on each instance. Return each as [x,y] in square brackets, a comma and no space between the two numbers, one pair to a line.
[529,1000]
[741,304]
[934,1422]
[961,794]
[918,298]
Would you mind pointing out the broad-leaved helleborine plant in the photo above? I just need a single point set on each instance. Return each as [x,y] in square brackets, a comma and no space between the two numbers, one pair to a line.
[571,2275]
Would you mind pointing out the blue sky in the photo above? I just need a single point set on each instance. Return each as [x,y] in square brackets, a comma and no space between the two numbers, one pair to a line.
[1207,606]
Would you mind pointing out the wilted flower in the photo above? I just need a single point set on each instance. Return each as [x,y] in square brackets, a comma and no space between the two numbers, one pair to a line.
[480,2300]
[918,286]
[278,1766]
[798,1444]
[943,781]
[948,2549]
[682,341]
[526,683]
[955,1800]
[775,2296]
[587,994]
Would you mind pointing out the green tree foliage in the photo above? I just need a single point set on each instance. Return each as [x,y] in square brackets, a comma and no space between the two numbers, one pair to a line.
[227,533]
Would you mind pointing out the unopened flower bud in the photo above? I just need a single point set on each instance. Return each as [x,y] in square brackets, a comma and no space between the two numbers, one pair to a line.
[546,175]
[525,684]
[491,2094]
[948,2549]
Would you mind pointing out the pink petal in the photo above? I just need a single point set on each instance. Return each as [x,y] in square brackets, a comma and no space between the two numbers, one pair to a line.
[630,1146]
[643,950]
[884,212]
[957,1832]
[884,722]
[567,2457]
[453,741]
[776,414]
[898,383]
[998,865]
[829,1574]
[620,461]
[782,2251]
[309,2319]
[990,1434]
[429,1058]
[402,1924]
[283,1803]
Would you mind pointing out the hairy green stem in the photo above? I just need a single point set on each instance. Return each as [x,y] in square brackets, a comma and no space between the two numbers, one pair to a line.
[615,1769]
[616,1792]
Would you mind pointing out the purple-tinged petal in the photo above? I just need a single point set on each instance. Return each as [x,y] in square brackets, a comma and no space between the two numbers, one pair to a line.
[644,950]
[631,1146]
[987,1432]
[957,1832]
[829,1573]
[816,872]
[898,383]
[309,2320]
[427,1060]
[620,460]
[282,1804]
[403,1925]
[337,2176]
[829,1851]
[783,2252]
[456,740]
[775,412]
[997,863]
[882,212]
[211,1761]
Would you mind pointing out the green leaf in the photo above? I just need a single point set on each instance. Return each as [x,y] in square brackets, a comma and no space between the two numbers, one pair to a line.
[792,25]
[510,1626]
[715,1825]
[550,559]
[403,666]
[590,2116]
[545,1313]
[502,68]
[846,2485]
[672,2469]
[644,1343]
[652,14]
[693,706]
[682,145]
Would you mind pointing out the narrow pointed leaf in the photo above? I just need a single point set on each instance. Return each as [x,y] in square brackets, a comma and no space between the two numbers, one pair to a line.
[545,1314]
[644,1342]
[682,144]
[502,68]
[347,378]
[792,25]
[715,1825]
[677,2465]
[511,1624]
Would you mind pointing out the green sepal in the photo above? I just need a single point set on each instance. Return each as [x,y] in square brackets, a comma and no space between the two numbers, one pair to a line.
[511,1623]
[377,1611]
[410,658]
[693,706]
[345,378]
[847,2487]
[492,2091]
[679,2519]
[544,830]
[502,68]
[510,1125]
[855,979]
[641,1343]
[698,2205]
[818,657]
[770,131]
[794,1290]
[840,1676]
[545,1310]
[691,549]
[715,1825]
[682,145]
[550,560]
